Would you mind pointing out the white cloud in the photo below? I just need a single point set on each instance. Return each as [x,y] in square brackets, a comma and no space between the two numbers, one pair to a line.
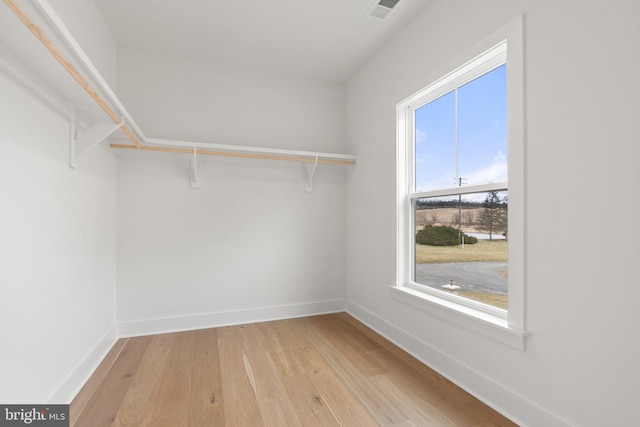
[496,171]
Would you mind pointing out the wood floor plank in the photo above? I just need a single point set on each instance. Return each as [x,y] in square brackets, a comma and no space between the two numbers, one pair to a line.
[491,417]
[423,384]
[308,402]
[421,413]
[350,342]
[182,348]
[81,400]
[144,387]
[285,332]
[174,393]
[432,396]
[273,402]
[359,340]
[359,384]
[172,405]
[346,407]
[207,407]
[240,405]
[280,338]
[102,409]
[138,415]
[420,392]
[328,370]
[405,360]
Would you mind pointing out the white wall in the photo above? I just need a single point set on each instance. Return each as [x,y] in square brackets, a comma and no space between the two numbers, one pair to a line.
[176,97]
[582,95]
[250,244]
[83,19]
[57,254]
[58,239]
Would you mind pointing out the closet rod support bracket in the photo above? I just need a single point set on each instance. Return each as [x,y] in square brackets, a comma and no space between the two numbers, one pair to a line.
[194,179]
[309,172]
[80,145]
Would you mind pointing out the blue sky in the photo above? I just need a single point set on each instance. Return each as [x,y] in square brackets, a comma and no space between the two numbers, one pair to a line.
[482,137]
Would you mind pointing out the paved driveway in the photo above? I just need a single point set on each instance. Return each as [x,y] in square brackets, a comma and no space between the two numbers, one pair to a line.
[472,276]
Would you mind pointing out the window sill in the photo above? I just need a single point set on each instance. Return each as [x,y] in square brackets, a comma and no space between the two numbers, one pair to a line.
[491,326]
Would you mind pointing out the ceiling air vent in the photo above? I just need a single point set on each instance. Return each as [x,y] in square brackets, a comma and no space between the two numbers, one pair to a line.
[382,8]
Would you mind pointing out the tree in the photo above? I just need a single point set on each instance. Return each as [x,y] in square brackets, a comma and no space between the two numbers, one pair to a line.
[468,218]
[505,201]
[493,216]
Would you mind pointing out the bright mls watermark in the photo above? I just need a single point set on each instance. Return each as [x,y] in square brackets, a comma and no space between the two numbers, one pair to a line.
[34,415]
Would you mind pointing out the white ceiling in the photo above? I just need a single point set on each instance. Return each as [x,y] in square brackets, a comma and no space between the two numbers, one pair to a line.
[322,39]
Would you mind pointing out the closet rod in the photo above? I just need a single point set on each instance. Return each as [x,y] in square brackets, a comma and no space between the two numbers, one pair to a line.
[232,154]
[248,149]
[67,65]
[56,24]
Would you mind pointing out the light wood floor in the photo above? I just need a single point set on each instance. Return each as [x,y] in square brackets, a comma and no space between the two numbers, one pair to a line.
[316,371]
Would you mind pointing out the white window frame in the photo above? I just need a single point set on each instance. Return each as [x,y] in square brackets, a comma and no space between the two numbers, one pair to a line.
[507,326]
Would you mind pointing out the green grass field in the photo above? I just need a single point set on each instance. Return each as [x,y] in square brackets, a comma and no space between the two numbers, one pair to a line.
[495,300]
[484,250]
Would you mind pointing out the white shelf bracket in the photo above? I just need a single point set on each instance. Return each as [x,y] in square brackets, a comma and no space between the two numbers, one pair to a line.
[309,172]
[194,180]
[79,145]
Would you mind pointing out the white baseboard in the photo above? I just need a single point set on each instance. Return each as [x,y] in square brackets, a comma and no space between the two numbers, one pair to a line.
[513,406]
[226,318]
[81,374]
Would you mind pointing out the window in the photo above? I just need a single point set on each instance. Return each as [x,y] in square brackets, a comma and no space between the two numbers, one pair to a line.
[461,192]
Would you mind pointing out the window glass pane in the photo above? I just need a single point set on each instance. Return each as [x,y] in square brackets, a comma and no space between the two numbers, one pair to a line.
[435,143]
[482,128]
[461,245]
